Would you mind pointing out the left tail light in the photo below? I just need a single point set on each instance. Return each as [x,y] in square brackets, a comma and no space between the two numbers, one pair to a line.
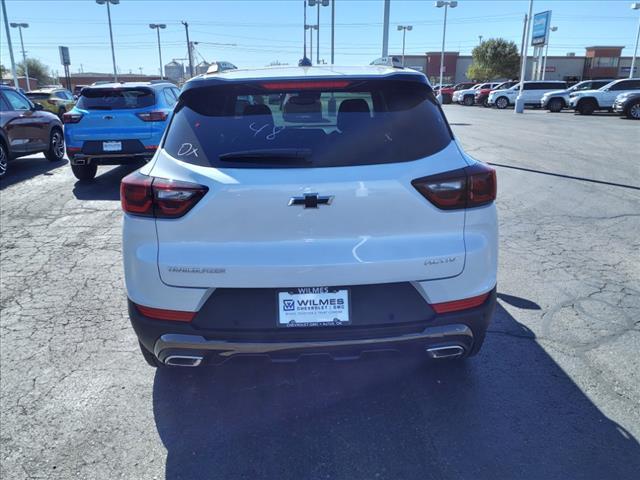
[71,117]
[163,314]
[468,187]
[158,197]
[157,116]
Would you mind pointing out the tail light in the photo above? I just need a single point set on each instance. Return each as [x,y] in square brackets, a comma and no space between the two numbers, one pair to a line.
[158,197]
[71,117]
[458,305]
[162,314]
[157,116]
[464,188]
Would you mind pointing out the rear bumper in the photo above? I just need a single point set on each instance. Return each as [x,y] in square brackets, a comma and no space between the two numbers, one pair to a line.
[83,159]
[465,329]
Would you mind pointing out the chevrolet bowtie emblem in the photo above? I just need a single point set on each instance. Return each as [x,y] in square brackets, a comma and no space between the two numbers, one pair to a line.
[311,200]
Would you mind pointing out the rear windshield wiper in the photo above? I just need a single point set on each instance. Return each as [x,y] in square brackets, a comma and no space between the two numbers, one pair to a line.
[267,154]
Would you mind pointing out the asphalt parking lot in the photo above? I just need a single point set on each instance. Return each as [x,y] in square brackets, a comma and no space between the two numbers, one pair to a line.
[554,394]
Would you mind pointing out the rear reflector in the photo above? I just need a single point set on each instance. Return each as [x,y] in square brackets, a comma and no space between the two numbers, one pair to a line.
[158,197]
[152,116]
[71,117]
[468,187]
[170,315]
[304,85]
[458,305]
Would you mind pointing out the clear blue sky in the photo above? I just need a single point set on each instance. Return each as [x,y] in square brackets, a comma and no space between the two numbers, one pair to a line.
[264,31]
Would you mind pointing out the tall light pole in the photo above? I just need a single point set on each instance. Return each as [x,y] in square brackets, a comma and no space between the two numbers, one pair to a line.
[318,4]
[333,28]
[480,39]
[446,5]
[157,27]
[546,52]
[385,28]
[20,26]
[404,29]
[519,103]
[8,32]
[113,52]
[189,52]
[311,28]
[635,6]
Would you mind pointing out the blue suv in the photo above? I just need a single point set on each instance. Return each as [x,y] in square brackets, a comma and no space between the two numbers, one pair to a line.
[117,123]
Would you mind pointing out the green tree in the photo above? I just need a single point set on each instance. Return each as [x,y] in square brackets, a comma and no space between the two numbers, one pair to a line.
[37,70]
[494,58]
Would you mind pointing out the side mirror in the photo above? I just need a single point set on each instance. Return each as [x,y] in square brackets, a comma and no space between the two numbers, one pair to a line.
[37,106]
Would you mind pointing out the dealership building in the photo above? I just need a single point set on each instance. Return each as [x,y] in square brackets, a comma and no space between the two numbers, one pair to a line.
[597,62]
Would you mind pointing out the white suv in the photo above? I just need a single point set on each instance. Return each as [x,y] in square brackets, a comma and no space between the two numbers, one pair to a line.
[468,97]
[556,100]
[458,94]
[532,93]
[293,229]
[588,101]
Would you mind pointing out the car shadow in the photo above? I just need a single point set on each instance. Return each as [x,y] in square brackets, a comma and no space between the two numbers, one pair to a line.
[106,186]
[24,168]
[510,412]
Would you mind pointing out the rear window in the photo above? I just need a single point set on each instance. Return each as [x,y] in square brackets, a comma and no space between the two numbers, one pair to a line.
[116,98]
[366,122]
[37,96]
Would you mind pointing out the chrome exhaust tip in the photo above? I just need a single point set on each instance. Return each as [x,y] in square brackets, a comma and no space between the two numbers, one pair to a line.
[446,351]
[183,360]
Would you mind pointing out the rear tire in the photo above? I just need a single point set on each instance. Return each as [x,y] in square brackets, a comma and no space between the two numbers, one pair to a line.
[149,357]
[485,102]
[56,146]
[468,101]
[555,105]
[85,173]
[446,99]
[586,107]
[4,160]
[633,110]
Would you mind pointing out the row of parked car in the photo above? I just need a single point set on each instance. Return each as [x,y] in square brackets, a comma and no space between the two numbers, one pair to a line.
[586,97]
[109,124]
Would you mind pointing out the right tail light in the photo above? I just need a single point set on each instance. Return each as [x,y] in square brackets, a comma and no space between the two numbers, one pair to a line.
[71,117]
[467,187]
[148,196]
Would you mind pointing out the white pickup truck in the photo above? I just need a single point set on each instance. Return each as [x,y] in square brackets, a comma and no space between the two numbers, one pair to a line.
[588,101]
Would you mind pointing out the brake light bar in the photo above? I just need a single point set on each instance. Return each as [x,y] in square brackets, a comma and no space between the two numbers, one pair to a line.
[71,117]
[156,116]
[162,314]
[306,85]
[457,305]
[147,196]
[468,187]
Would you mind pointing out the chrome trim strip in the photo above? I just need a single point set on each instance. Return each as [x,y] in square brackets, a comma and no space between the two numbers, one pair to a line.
[225,348]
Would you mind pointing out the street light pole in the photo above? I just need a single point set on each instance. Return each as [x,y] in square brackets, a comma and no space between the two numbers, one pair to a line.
[519,104]
[189,52]
[157,27]
[635,6]
[404,29]
[20,26]
[8,32]
[333,28]
[113,52]
[385,28]
[446,5]
[546,53]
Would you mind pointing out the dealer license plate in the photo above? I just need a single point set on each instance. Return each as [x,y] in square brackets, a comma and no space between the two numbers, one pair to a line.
[313,307]
[112,146]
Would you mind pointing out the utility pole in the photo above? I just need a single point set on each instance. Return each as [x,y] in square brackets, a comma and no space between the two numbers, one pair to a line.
[13,63]
[304,4]
[189,53]
[524,31]
[519,103]
[318,34]
[333,27]
[113,52]
[634,6]
[385,28]
[20,26]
